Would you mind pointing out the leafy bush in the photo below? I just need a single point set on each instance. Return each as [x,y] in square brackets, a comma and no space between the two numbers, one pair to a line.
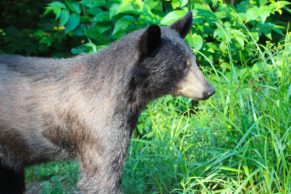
[221,33]
[218,36]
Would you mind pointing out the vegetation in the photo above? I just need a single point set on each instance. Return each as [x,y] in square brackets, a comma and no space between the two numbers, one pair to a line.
[239,141]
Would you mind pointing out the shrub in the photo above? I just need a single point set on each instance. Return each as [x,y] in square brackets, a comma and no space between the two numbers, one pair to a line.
[68,27]
[221,33]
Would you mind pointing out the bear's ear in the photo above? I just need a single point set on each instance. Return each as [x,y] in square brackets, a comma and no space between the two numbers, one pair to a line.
[150,40]
[183,25]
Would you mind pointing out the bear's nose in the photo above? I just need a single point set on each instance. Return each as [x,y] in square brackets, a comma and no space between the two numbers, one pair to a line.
[209,92]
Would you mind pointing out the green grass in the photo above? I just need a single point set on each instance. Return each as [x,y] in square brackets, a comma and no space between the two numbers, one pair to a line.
[239,141]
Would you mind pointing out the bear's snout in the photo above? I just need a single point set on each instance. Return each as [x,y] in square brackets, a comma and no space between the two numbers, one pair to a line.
[195,86]
[208,93]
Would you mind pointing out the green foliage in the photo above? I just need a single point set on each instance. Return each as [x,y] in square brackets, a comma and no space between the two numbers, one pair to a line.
[70,26]
[100,22]
[219,30]
[52,178]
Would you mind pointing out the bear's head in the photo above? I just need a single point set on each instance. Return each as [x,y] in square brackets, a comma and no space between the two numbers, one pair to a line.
[167,65]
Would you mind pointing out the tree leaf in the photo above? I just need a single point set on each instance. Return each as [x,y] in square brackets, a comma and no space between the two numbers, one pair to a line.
[64,17]
[261,13]
[183,3]
[252,14]
[73,22]
[96,32]
[102,16]
[57,4]
[175,4]
[92,3]
[264,12]
[173,16]
[74,7]
[219,34]
[122,24]
[125,6]
[85,48]
[255,36]
[113,10]
[240,40]
[208,15]
[56,10]
[195,41]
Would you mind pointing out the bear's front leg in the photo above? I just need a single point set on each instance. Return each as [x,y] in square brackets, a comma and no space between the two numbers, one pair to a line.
[11,181]
[100,171]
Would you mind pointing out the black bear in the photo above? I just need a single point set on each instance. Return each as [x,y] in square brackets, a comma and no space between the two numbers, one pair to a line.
[86,107]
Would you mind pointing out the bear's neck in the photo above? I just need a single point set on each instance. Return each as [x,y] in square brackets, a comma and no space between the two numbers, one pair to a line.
[107,81]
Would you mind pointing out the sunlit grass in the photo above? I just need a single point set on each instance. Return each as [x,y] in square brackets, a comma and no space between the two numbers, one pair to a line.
[238,142]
